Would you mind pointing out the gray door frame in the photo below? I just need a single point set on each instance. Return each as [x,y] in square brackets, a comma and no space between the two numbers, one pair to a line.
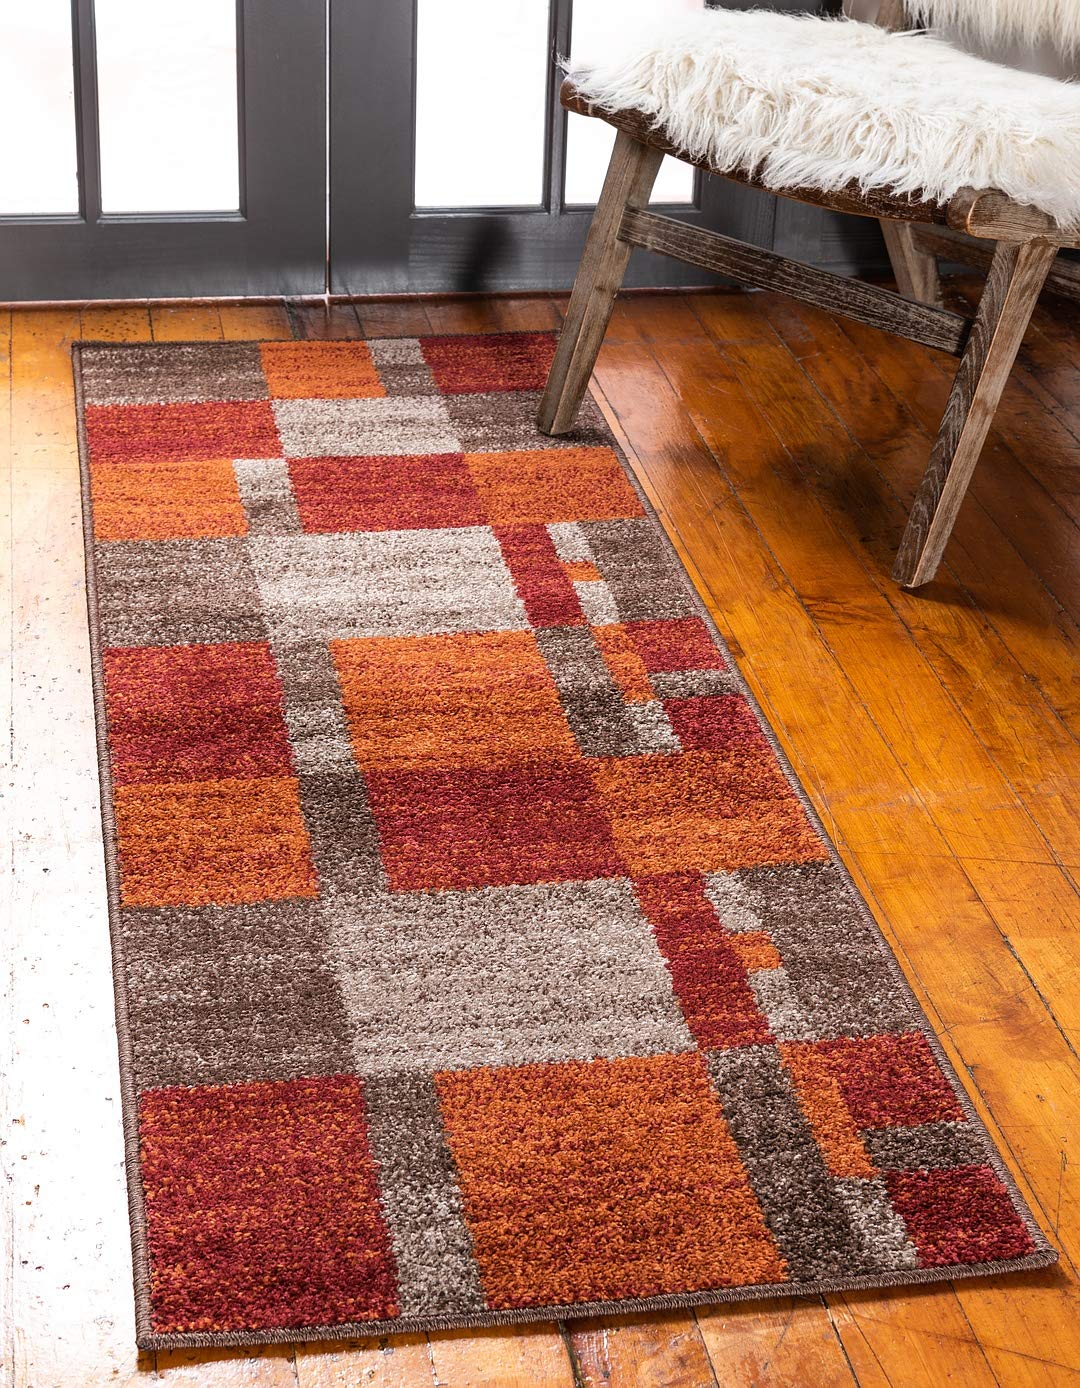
[379,244]
[276,243]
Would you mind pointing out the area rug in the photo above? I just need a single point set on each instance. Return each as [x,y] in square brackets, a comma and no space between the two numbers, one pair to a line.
[478,958]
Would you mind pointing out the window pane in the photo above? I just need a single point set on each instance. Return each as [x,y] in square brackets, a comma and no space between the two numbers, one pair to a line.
[589,141]
[38,164]
[167,105]
[481,89]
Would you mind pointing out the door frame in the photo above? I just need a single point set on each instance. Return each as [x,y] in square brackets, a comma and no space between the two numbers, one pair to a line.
[380,244]
[275,244]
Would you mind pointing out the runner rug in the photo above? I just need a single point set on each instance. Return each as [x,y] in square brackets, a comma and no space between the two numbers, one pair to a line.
[478,958]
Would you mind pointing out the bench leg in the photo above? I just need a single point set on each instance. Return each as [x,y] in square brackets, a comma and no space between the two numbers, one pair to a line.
[630,177]
[916,270]
[1017,275]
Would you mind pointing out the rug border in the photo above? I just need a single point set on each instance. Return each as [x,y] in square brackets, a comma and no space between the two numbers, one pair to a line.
[1044,1254]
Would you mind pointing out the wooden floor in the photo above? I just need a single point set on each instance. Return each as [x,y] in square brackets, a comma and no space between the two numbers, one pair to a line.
[935,733]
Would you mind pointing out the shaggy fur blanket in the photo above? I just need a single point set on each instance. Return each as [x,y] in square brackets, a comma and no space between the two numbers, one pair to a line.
[994,22]
[825,102]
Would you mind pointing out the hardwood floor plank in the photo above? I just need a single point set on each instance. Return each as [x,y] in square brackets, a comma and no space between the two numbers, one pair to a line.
[325,322]
[60,989]
[130,323]
[270,1367]
[186,322]
[1050,374]
[400,1361]
[525,315]
[1019,1329]
[43,392]
[774,1344]
[660,1351]
[1057,370]
[523,1356]
[463,316]
[920,1338]
[247,322]
[990,572]
[393,318]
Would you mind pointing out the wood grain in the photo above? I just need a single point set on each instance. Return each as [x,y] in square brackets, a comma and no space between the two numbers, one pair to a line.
[994,215]
[630,176]
[505,1357]
[915,268]
[121,324]
[186,323]
[1064,276]
[665,1351]
[251,322]
[1013,286]
[325,321]
[773,1344]
[760,269]
[393,318]
[401,1362]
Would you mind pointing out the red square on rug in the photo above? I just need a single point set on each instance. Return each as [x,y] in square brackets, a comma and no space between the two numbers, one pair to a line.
[181,433]
[891,1081]
[430,491]
[195,713]
[262,1207]
[715,723]
[959,1216]
[480,828]
[680,643]
[479,363]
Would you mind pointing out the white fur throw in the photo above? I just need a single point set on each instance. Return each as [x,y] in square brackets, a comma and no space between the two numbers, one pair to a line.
[993,22]
[823,102]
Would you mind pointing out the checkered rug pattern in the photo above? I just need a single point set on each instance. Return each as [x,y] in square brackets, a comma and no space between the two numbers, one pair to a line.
[477,953]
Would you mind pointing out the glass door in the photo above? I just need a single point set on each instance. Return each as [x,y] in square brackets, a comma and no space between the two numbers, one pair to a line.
[453,166]
[162,149]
